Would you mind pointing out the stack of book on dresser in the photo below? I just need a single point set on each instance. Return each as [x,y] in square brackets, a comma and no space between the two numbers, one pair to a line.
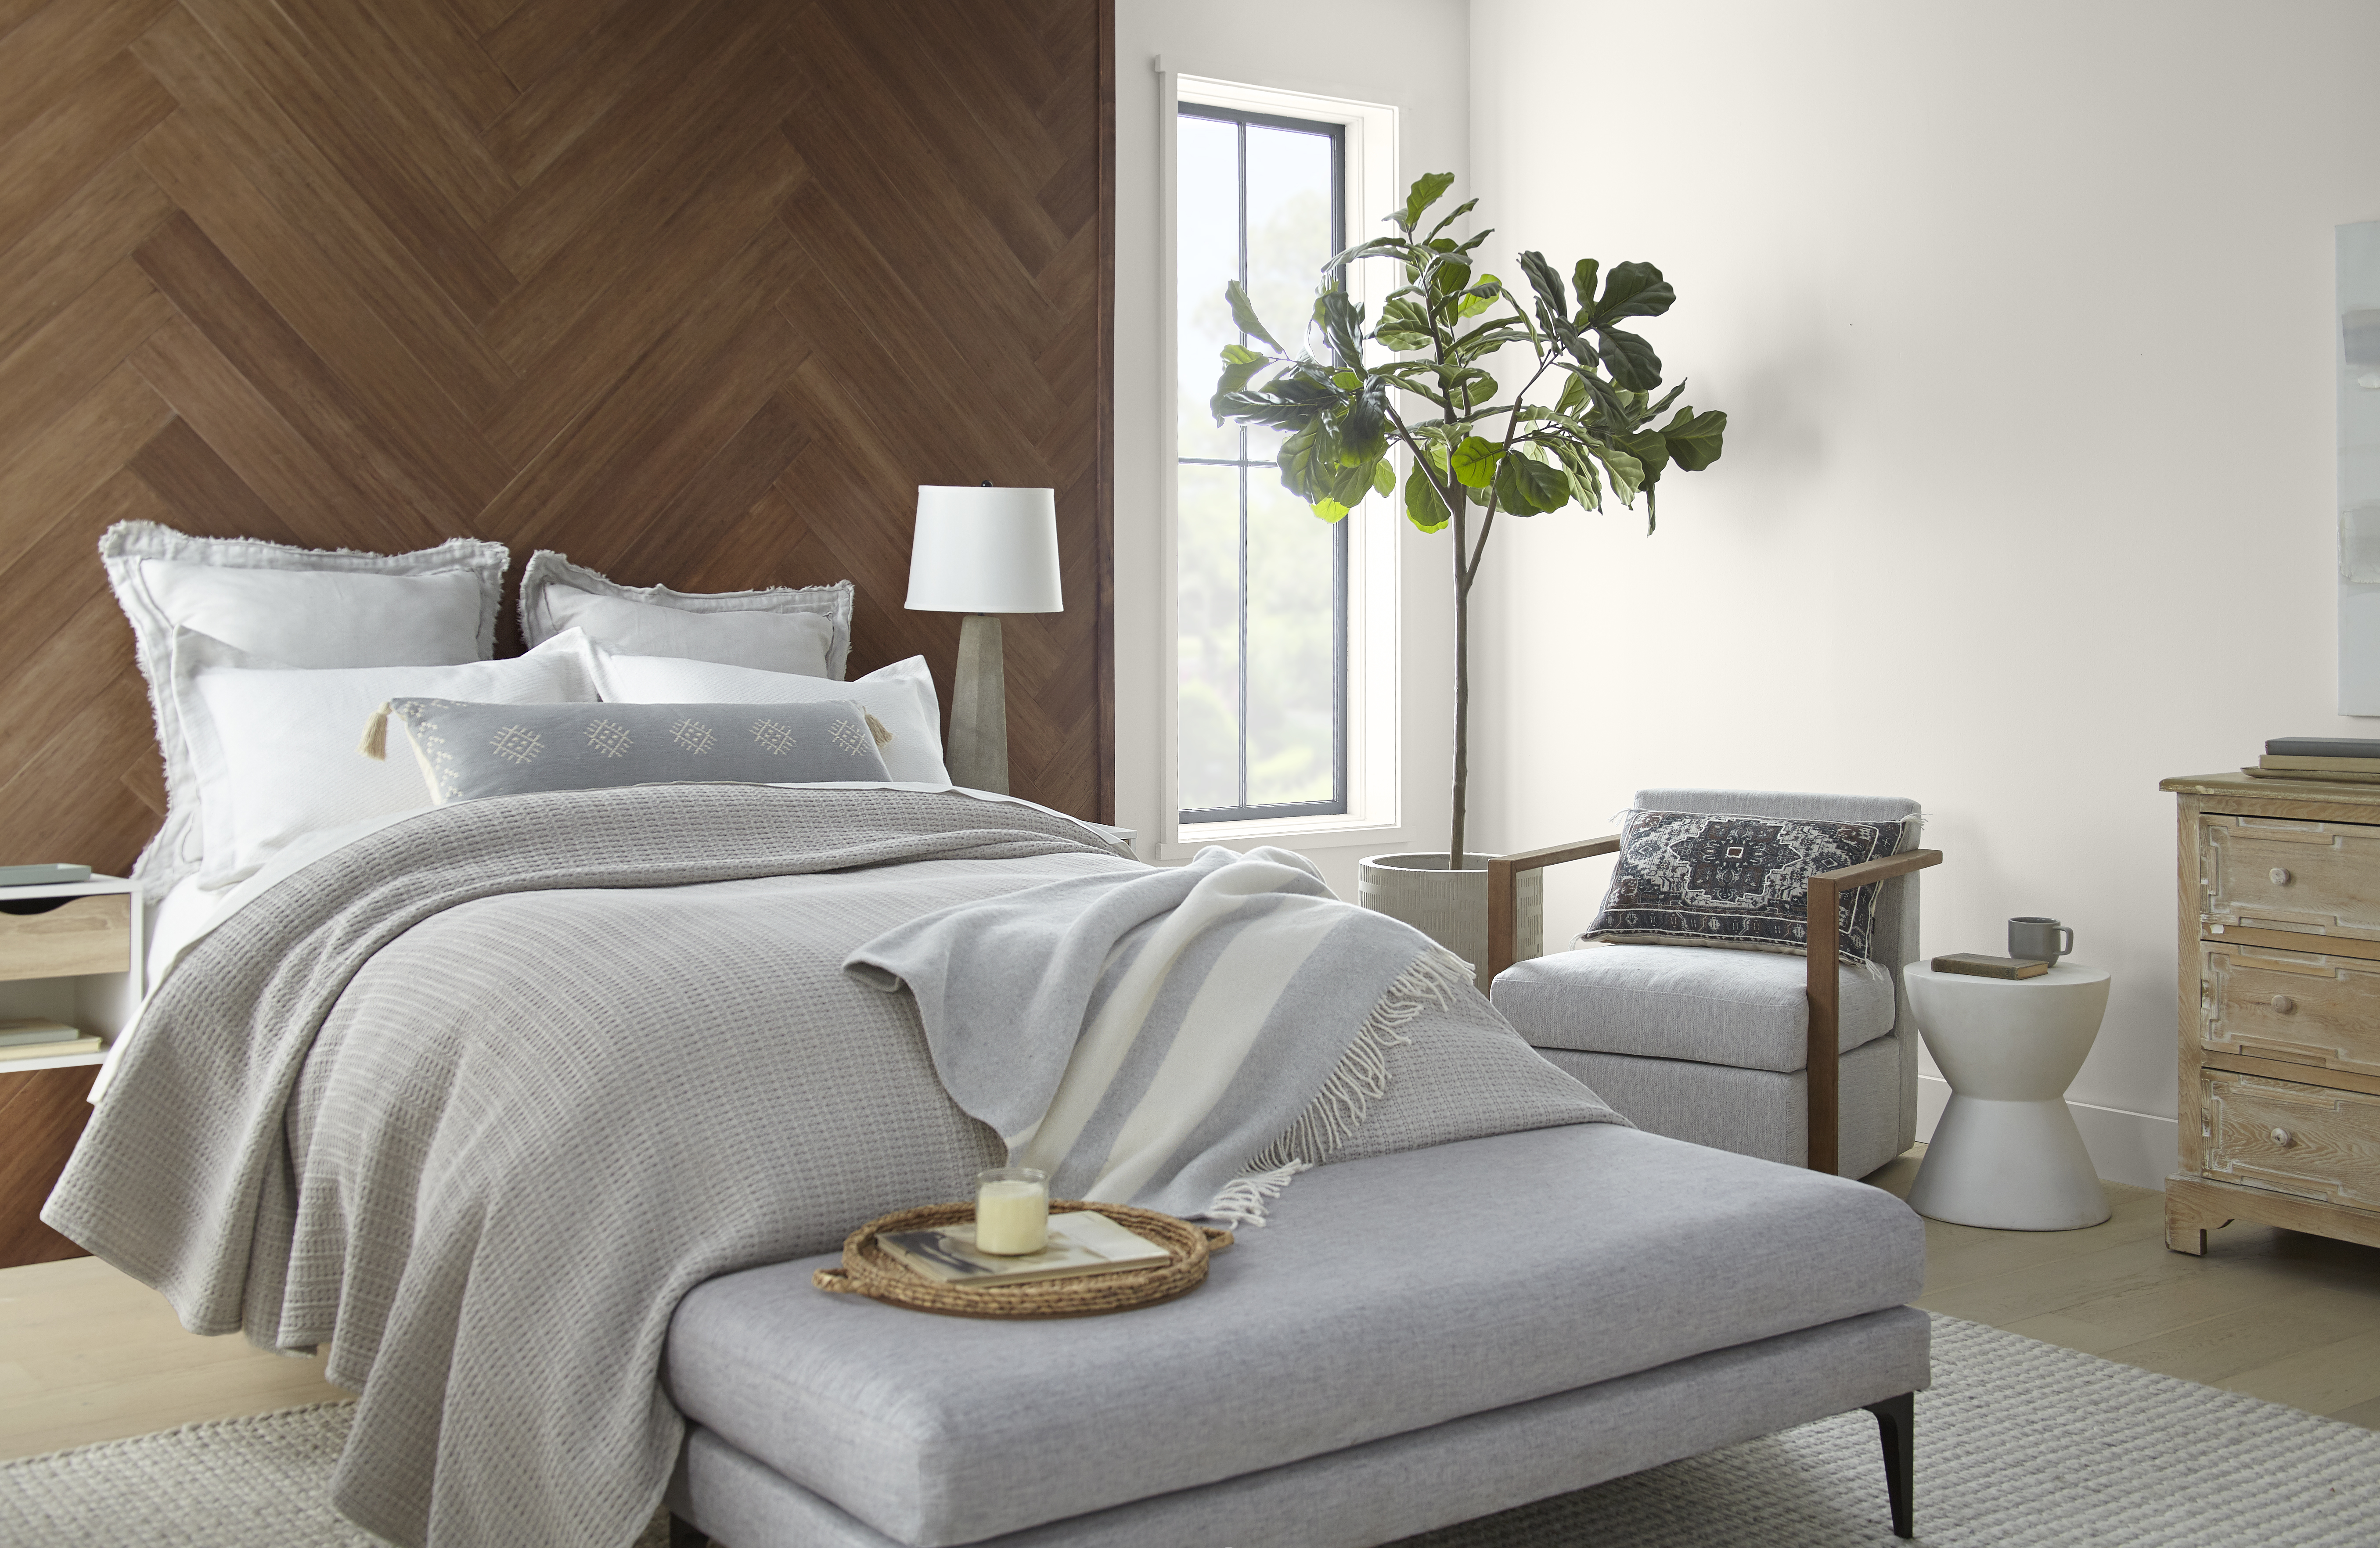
[42,1038]
[2341,759]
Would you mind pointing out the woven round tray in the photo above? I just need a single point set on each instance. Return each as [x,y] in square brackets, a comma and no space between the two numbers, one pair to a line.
[870,1271]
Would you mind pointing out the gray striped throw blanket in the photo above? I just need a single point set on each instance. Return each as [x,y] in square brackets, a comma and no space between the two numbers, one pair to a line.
[1187,1040]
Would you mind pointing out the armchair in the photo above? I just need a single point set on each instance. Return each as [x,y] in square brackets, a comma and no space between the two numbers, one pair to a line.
[1715,1045]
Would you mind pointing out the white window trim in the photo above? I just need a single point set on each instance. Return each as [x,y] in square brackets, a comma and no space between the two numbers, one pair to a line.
[1372,817]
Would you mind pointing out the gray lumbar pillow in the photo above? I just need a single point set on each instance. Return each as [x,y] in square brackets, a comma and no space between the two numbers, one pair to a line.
[468,751]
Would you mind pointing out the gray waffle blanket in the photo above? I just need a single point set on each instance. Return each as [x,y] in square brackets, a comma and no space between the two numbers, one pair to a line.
[475,1100]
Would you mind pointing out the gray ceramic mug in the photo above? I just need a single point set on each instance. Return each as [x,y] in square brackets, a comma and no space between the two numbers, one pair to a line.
[2039,939]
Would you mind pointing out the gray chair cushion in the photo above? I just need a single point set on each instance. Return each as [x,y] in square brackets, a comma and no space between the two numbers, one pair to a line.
[1385,1295]
[1711,1005]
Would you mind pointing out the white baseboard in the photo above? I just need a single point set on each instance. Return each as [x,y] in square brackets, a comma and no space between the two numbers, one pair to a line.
[2136,1148]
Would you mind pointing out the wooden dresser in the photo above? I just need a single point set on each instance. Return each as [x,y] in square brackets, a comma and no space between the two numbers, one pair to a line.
[2279,1009]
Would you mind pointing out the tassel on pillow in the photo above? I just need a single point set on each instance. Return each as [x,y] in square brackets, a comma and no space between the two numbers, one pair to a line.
[375,743]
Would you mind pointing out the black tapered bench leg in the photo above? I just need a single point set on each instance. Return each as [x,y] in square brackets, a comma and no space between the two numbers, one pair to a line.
[684,1534]
[1896,1424]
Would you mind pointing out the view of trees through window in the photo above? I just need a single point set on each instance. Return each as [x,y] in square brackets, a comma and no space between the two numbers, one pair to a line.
[1262,606]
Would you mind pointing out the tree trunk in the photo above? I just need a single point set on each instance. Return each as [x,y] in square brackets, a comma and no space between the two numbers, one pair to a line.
[1462,681]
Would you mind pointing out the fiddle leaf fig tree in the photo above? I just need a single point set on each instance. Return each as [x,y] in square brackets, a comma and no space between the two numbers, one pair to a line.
[1593,428]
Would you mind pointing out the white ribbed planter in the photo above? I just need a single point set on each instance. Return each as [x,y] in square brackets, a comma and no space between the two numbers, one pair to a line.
[1450,907]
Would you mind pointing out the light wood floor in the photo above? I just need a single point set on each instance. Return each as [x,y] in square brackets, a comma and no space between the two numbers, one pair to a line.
[88,1355]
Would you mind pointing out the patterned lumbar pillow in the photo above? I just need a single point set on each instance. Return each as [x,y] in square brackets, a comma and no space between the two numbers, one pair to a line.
[1697,878]
[468,751]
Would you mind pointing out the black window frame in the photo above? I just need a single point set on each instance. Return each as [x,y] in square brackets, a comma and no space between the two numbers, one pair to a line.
[1336,805]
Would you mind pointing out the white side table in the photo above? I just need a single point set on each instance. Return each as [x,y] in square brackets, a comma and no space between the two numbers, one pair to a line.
[2007,1154]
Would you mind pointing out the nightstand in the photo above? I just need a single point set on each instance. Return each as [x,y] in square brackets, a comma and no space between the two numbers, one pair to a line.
[71,953]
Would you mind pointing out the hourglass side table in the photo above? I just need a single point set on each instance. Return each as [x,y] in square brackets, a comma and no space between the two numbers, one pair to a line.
[2006,1152]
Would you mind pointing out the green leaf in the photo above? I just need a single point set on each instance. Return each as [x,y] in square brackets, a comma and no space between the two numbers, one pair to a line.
[1695,437]
[1424,193]
[1233,381]
[1457,213]
[1600,395]
[1343,323]
[1667,398]
[1241,354]
[1651,450]
[1246,315]
[1630,360]
[1423,506]
[1384,477]
[1475,461]
[1525,486]
[1545,282]
[1364,434]
[1378,247]
[1586,485]
[1634,290]
[1574,398]
[1627,473]
[1329,509]
[1582,280]
[1405,326]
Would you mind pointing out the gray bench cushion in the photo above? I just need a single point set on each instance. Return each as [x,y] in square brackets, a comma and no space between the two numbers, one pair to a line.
[1387,1294]
[1709,1005]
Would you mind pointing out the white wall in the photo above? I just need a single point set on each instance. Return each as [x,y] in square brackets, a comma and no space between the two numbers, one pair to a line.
[2021,315]
[1411,55]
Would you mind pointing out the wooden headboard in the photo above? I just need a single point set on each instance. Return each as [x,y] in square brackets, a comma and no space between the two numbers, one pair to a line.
[697,293]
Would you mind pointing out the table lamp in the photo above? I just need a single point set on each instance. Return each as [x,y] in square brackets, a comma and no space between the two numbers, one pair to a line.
[982,551]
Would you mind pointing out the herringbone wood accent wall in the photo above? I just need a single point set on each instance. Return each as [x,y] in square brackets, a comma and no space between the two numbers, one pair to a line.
[696,291]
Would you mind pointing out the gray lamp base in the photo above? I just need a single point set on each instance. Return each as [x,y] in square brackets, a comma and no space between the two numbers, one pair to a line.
[978,754]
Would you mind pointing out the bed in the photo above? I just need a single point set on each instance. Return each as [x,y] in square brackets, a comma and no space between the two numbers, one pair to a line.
[467,1092]
[469,1082]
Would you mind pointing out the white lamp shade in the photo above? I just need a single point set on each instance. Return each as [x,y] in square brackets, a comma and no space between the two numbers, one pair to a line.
[984,550]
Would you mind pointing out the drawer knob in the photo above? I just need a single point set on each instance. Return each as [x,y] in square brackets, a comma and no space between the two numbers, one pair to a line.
[2284,1004]
[2280,876]
[2283,1138]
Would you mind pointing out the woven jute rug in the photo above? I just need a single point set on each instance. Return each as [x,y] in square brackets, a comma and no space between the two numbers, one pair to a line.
[2019,1442]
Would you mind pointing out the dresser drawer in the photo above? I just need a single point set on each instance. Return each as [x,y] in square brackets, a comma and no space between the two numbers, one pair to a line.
[2268,873]
[82,935]
[2300,1005]
[2290,1137]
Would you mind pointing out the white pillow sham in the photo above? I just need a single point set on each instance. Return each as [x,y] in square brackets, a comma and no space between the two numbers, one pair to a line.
[789,642]
[901,696]
[297,607]
[274,748]
[717,624]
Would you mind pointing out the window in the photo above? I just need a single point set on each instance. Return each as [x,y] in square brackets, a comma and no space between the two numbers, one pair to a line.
[1261,583]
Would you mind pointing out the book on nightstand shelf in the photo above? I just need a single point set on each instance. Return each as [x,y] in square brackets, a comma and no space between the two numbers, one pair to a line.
[1081,1242]
[1974,965]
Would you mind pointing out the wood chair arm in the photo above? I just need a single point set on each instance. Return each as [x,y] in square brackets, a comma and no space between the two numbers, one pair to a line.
[1822,1053]
[1503,891]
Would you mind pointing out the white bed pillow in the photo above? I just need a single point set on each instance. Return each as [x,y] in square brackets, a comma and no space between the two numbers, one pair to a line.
[788,642]
[718,626]
[274,748]
[299,607]
[901,696]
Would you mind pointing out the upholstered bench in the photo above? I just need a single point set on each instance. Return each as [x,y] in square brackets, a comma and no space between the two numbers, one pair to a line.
[1415,1339]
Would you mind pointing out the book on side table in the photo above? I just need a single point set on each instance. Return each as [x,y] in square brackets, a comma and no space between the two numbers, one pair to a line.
[1974,965]
[1081,1242]
[41,1038]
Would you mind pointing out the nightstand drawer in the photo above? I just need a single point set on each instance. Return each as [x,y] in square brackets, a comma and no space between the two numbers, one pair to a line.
[81,935]
[2303,1006]
[2309,1141]
[2270,873]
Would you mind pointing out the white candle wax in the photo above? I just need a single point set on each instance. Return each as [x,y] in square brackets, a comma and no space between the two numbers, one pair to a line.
[1011,1218]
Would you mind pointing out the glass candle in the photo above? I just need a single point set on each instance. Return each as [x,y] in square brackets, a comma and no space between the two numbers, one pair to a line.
[1012,1210]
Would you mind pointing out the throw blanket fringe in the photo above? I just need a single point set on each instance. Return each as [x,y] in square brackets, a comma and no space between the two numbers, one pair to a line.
[1362,1076]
